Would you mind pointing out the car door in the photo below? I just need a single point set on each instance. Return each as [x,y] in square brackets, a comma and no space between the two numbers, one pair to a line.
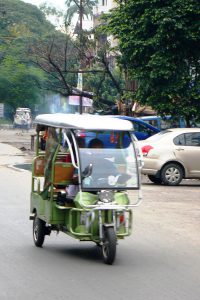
[187,150]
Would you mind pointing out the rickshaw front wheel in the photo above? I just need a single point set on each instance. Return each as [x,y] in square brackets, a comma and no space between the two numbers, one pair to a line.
[109,245]
[38,231]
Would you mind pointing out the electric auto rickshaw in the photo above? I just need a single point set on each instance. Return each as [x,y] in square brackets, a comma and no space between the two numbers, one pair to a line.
[84,188]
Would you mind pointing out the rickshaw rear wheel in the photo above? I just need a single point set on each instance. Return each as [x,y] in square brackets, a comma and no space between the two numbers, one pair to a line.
[109,245]
[39,231]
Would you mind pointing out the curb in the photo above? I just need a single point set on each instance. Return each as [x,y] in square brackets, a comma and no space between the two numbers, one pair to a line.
[6,126]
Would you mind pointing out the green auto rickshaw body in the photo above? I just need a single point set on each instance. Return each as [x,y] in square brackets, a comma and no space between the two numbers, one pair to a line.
[101,210]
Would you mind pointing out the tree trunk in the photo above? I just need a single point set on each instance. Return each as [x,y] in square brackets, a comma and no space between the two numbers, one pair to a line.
[187,120]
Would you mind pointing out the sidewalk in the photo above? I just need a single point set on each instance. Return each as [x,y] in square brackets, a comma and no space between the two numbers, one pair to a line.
[15,146]
[10,155]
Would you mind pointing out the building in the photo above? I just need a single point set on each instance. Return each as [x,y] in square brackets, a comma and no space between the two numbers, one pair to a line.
[103,6]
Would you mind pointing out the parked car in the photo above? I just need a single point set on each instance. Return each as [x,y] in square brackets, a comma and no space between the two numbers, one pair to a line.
[167,122]
[163,123]
[172,155]
[142,131]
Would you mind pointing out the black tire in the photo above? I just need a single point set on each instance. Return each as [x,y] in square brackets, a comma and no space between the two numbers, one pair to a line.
[172,174]
[155,179]
[109,245]
[39,231]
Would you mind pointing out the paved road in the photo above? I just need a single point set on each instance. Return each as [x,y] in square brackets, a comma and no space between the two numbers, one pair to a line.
[159,261]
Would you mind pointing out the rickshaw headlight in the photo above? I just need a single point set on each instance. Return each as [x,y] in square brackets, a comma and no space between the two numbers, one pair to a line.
[106,196]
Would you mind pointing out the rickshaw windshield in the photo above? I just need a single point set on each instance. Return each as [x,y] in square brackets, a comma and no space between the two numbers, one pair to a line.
[108,161]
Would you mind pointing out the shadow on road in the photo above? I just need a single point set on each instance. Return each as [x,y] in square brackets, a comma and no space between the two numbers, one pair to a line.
[27,167]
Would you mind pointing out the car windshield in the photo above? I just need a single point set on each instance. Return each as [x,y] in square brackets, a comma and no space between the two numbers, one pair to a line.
[158,136]
[109,167]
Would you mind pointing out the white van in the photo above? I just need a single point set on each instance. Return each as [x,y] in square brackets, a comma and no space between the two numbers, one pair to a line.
[22,118]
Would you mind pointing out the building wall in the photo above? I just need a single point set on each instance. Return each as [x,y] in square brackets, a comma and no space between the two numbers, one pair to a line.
[103,7]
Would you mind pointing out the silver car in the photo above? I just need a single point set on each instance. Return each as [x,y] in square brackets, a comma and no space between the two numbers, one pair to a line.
[172,155]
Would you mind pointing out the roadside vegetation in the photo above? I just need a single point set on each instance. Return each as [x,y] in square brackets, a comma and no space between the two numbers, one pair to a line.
[159,42]
[20,24]
[156,61]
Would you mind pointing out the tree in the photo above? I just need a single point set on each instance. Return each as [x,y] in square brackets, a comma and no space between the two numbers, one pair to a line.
[18,84]
[58,56]
[20,80]
[159,43]
[80,7]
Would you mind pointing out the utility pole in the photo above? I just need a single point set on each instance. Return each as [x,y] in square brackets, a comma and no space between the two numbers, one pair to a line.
[79,4]
[80,75]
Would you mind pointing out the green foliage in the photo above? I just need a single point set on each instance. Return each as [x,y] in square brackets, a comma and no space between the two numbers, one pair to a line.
[16,12]
[18,83]
[102,86]
[160,46]
[5,121]
[20,24]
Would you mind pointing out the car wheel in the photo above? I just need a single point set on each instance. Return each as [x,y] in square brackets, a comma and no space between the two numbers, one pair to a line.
[172,174]
[154,179]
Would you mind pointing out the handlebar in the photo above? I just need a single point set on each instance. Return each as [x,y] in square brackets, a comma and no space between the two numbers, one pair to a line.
[111,205]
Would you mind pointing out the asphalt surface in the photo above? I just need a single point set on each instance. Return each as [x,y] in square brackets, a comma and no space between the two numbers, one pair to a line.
[159,261]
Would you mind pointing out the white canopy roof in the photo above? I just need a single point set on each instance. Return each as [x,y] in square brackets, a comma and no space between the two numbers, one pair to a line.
[87,122]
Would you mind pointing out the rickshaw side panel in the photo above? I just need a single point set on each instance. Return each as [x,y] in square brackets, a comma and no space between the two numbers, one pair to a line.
[63,173]
[38,166]
[58,215]
[46,210]
[37,205]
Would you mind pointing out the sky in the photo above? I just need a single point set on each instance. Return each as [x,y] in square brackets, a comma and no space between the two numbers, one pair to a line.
[56,3]
[59,4]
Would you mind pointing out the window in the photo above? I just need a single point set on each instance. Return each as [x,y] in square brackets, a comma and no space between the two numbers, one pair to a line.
[142,128]
[112,167]
[180,140]
[104,2]
[188,139]
[192,139]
